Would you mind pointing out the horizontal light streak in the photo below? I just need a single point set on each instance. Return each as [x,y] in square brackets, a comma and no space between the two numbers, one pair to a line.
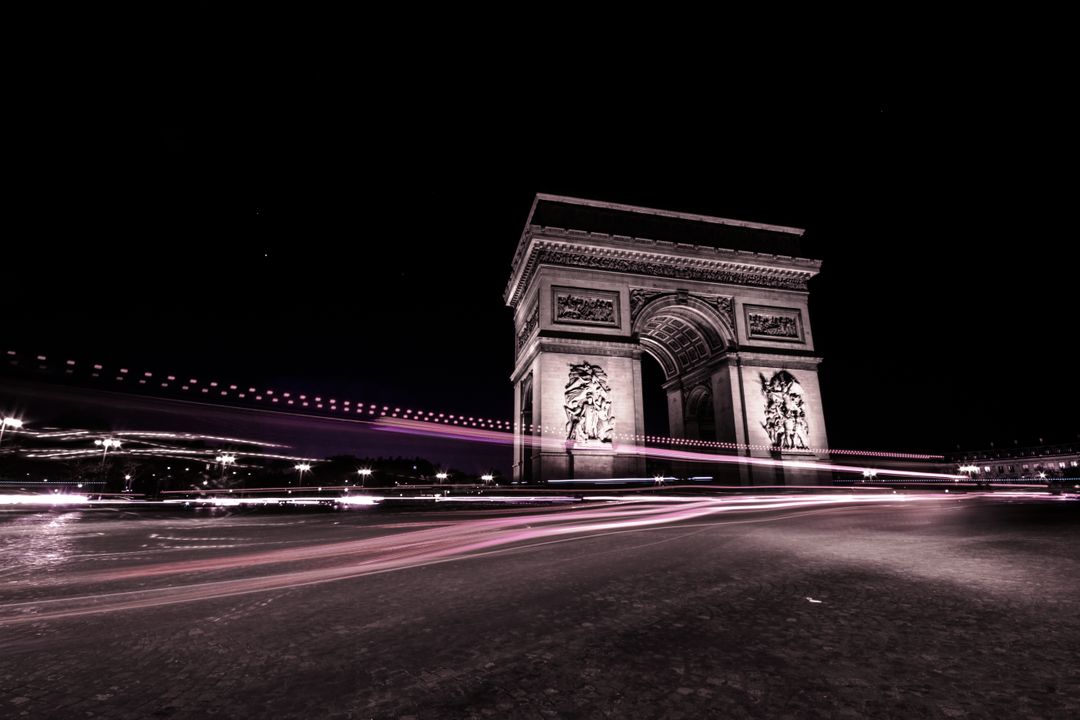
[552,445]
[44,499]
[374,412]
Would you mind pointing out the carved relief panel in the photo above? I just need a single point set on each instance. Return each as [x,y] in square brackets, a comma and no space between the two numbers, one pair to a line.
[580,306]
[774,323]
[589,415]
[785,412]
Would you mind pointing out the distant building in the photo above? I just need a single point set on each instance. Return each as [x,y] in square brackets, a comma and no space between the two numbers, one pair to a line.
[1022,463]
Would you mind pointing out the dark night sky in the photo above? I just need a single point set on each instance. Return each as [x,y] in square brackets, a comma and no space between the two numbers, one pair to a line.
[365,252]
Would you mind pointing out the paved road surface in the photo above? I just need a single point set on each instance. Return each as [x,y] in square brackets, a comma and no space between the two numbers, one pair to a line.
[904,607]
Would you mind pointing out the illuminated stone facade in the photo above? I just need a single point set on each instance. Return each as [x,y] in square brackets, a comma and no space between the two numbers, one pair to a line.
[721,304]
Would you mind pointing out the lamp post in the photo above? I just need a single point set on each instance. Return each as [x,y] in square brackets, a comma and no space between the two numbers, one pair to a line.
[106,445]
[225,459]
[441,476]
[302,468]
[487,478]
[364,474]
[9,422]
[869,474]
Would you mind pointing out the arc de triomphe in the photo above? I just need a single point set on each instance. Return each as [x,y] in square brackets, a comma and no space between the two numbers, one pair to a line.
[722,306]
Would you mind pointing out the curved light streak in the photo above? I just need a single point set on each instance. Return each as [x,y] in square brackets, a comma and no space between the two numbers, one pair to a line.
[291,567]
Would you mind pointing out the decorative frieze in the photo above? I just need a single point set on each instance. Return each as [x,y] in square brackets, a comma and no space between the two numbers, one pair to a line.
[643,266]
[774,323]
[580,306]
[528,328]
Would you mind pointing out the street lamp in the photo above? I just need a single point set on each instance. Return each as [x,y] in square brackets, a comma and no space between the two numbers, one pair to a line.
[105,445]
[487,478]
[870,475]
[364,474]
[9,422]
[302,468]
[225,459]
[441,476]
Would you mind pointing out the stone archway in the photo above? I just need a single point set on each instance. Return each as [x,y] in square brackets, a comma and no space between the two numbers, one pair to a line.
[523,469]
[721,304]
[682,331]
[699,414]
[690,337]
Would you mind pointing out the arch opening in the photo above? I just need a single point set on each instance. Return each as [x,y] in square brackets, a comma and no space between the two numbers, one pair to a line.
[526,421]
[683,333]
[700,414]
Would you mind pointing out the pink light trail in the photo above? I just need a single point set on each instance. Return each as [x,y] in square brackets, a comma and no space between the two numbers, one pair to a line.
[429,544]
[559,444]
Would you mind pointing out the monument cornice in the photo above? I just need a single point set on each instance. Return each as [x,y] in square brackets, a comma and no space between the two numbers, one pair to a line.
[615,347]
[652,258]
[750,358]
